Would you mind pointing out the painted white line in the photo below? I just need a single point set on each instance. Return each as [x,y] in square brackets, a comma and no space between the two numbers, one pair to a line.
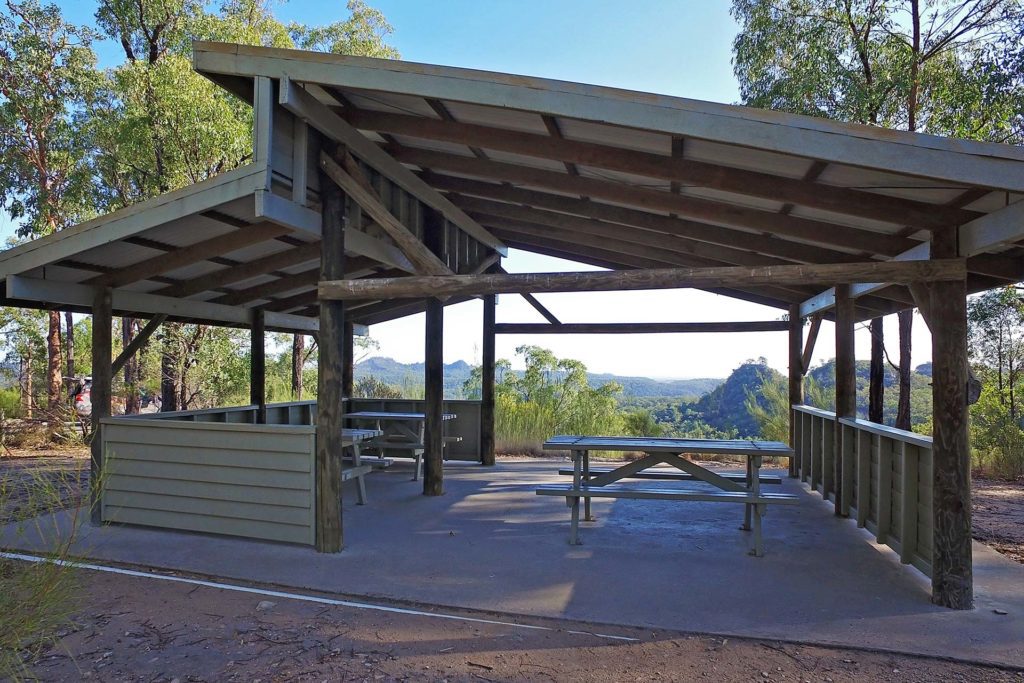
[295,596]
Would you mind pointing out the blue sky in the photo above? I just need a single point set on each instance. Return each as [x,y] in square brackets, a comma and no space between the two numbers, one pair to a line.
[675,47]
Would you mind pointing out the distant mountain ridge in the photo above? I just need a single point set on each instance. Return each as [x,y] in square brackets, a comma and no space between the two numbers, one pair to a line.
[403,375]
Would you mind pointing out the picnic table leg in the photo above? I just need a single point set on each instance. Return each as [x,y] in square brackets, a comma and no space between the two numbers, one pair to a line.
[755,486]
[360,484]
[419,454]
[747,507]
[586,478]
[574,527]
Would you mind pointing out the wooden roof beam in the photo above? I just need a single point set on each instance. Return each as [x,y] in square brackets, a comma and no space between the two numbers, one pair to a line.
[641,328]
[613,261]
[627,253]
[191,254]
[725,178]
[270,265]
[704,211]
[479,208]
[63,294]
[752,243]
[1005,226]
[943,270]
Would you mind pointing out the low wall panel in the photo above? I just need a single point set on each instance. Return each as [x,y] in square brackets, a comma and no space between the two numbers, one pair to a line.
[255,481]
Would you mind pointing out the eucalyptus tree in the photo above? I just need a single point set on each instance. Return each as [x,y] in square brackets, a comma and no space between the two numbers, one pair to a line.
[47,81]
[162,126]
[950,67]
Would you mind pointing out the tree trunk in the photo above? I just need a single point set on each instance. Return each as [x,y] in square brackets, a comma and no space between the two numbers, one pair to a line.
[53,361]
[906,320]
[876,383]
[69,349]
[25,380]
[298,355]
[168,373]
[132,401]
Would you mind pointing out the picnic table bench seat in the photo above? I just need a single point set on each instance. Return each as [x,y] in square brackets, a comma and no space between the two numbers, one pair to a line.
[744,489]
[678,476]
[669,494]
[416,449]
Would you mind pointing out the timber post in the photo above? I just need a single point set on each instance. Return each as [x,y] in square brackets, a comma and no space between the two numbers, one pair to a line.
[952,562]
[796,375]
[258,366]
[433,370]
[487,439]
[102,373]
[846,389]
[329,534]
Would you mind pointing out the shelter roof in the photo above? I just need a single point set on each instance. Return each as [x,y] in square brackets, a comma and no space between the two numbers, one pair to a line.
[609,177]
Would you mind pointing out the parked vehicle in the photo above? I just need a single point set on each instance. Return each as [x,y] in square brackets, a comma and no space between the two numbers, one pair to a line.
[83,399]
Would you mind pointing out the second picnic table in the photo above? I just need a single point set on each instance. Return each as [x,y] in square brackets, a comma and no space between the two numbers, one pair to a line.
[399,431]
[733,488]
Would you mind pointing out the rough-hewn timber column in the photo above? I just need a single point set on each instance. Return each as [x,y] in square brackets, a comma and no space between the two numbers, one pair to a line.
[846,383]
[348,353]
[258,366]
[952,569]
[796,374]
[433,372]
[487,383]
[329,537]
[102,372]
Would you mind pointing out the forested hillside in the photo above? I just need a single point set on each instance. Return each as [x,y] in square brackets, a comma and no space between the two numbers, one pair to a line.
[408,375]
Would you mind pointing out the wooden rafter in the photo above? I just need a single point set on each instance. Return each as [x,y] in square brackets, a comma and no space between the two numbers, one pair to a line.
[271,265]
[693,208]
[194,253]
[478,208]
[685,229]
[659,256]
[728,179]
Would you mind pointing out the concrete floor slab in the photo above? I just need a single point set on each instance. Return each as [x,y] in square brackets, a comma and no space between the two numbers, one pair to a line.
[490,543]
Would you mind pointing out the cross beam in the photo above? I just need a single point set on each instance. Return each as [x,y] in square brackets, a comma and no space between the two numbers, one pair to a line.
[663,278]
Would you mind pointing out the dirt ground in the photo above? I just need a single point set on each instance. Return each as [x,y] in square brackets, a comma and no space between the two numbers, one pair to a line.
[141,629]
[998,517]
[32,481]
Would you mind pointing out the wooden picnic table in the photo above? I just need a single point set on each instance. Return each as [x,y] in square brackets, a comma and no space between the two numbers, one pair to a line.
[399,431]
[354,438]
[743,489]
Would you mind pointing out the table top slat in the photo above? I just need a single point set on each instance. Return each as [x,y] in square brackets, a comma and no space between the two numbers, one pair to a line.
[669,445]
[382,415]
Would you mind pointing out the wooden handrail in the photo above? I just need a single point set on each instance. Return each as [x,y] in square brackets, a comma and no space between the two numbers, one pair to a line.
[913,438]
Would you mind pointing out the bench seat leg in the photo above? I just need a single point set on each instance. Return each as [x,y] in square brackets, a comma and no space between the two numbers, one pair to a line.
[357,457]
[758,550]
[574,527]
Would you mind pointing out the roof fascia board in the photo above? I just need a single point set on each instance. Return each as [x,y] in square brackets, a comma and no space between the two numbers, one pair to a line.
[316,114]
[64,293]
[957,161]
[134,219]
